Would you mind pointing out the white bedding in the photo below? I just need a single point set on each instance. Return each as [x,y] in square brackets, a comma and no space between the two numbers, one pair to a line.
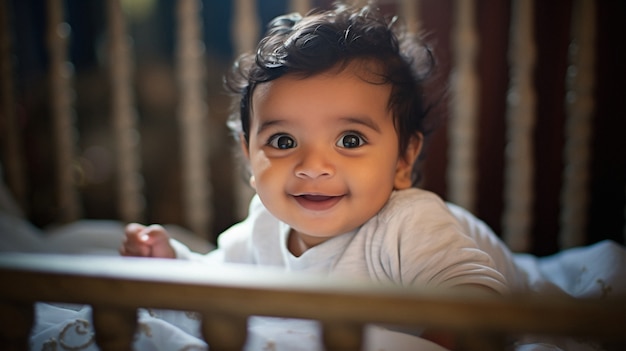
[87,236]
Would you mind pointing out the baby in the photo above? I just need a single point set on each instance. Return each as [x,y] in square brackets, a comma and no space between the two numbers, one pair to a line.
[331,122]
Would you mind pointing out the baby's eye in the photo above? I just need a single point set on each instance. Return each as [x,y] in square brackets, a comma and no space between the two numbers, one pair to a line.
[282,141]
[350,140]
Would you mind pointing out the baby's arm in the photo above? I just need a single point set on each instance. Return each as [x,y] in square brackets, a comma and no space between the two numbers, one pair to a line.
[234,243]
[146,241]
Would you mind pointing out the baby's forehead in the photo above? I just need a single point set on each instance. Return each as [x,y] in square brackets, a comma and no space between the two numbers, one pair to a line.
[353,86]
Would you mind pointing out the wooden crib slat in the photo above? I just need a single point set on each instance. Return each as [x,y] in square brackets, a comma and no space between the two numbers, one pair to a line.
[114,327]
[16,321]
[223,331]
[520,123]
[410,11]
[300,6]
[244,36]
[462,170]
[11,147]
[342,336]
[193,114]
[578,128]
[482,341]
[241,291]
[61,101]
[124,116]
[245,27]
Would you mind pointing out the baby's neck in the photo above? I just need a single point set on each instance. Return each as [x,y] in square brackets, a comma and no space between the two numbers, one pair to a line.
[298,243]
[295,244]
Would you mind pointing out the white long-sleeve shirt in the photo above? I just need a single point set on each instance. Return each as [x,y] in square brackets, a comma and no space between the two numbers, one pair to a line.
[416,239]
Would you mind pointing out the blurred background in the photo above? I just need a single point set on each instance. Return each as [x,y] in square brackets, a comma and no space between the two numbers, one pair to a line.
[152,31]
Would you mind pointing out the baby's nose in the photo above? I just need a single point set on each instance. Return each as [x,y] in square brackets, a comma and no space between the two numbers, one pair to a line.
[314,164]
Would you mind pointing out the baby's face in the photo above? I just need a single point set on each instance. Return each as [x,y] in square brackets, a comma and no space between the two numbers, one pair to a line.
[323,151]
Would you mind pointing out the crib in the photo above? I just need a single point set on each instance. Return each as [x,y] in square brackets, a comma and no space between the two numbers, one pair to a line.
[116,288]
[529,142]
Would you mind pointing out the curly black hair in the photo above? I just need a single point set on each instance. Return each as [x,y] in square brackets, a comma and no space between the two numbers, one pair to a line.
[321,40]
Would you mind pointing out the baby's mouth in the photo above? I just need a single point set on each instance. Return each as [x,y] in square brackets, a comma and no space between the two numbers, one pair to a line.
[317,202]
[316,197]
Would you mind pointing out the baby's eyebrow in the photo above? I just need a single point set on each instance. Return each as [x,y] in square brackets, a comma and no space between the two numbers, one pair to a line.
[362,120]
[269,123]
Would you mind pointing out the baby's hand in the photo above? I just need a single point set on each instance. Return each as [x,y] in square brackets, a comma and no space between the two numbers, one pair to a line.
[150,241]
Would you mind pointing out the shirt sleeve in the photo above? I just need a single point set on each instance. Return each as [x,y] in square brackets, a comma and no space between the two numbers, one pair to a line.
[425,245]
[489,242]
[234,245]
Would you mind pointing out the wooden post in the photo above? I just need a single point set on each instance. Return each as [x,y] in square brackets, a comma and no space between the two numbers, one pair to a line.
[579,105]
[300,6]
[520,122]
[61,101]
[462,169]
[13,167]
[342,336]
[244,35]
[224,332]
[114,327]
[193,114]
[411,14]
[17,320]
[124,116]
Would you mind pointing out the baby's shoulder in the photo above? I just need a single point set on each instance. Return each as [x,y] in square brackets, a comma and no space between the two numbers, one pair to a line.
[415,204]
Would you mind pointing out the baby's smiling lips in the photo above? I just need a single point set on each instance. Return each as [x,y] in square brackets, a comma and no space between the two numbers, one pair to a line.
[316,202]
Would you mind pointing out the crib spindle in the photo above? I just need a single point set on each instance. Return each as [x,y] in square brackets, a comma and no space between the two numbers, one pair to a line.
[17,320]
[244,35]
[61,101]
[300,6]
[342,336]
[411,14]
[114,327]
[245,27]
[482,341]
[11,136]
[124,115]
[224,332]
[578,127]
[520,122]
[461,174]
[193,114]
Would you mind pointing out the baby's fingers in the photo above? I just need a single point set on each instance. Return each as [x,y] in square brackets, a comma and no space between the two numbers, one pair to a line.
[135,241]
[153,234]
[150,241]
[133,229]
[159,240]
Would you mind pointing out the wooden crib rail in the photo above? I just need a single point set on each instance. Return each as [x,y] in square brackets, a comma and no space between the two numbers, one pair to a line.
[116,286]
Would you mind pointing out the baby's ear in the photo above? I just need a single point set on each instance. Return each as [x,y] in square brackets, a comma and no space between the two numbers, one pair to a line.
[405,163]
